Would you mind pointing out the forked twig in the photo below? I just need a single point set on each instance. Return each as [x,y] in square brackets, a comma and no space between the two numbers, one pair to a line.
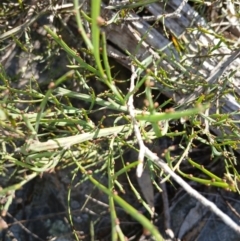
[159,162]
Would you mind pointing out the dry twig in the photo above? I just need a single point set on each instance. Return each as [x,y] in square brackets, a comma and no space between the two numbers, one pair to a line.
[135,125]
[225,218]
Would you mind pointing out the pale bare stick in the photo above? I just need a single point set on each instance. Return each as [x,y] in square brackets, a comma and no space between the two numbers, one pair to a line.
[192,192]
[135,124]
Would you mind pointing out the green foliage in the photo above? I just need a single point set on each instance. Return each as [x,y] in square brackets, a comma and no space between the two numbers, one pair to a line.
[51,132]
